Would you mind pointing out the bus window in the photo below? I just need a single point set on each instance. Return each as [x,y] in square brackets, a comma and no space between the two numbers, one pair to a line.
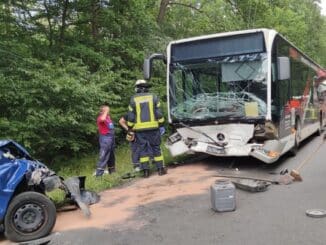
[300,79]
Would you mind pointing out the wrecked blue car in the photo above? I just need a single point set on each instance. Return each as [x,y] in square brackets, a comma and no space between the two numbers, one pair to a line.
[26,213]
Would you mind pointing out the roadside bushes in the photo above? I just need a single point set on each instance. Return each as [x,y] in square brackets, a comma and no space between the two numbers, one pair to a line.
[51,108]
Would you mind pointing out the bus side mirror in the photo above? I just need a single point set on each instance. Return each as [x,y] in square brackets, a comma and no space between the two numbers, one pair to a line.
[147,68]
[283,68]
[148,63]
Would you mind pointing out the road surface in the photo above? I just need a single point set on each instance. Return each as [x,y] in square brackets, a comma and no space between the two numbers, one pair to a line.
[175,208]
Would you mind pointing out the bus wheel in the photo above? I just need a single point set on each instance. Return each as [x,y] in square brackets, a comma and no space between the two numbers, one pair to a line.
[295,148]
[320,129]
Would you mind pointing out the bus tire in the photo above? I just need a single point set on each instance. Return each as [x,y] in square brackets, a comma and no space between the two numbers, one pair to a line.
[320,129]
[295,148]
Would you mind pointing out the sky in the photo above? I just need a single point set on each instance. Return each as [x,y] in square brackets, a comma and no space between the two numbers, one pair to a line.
[323,7]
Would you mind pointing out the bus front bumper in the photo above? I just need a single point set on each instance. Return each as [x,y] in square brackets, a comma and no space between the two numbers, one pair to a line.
[268,152]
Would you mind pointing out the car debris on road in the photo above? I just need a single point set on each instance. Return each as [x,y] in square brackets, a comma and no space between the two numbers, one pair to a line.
[251,185]
[316,213]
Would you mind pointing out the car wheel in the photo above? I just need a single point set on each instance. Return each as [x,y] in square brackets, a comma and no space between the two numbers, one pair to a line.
[30,216]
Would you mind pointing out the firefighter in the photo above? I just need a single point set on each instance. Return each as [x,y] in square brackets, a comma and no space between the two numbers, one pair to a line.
[146,120]
[132,142]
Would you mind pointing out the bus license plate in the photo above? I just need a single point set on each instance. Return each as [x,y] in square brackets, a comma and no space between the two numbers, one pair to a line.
[214,150]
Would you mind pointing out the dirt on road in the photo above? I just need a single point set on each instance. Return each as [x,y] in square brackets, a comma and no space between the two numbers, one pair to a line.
[119,204]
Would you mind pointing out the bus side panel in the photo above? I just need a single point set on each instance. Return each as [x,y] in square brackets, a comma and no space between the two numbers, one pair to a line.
[296,100]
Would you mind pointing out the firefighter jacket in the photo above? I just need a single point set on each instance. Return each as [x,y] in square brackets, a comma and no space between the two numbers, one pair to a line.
[144,112]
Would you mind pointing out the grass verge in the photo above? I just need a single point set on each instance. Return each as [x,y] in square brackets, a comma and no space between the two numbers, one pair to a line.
[85,166]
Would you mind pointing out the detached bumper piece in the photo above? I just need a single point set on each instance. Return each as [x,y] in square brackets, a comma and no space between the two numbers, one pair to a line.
[251,185]
[270,152]
[78,194]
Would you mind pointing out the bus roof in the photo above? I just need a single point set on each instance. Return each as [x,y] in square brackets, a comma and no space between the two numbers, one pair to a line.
[222,34]
[267,32]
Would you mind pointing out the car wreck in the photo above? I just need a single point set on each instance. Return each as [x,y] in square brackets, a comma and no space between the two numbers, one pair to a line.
[26,212]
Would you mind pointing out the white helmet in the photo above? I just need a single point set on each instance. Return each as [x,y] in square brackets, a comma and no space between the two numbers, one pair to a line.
[141,82]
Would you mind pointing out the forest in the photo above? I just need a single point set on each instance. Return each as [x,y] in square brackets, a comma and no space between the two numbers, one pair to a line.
[61,59]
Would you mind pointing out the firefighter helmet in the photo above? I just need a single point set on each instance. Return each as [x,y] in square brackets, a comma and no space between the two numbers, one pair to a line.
[141,83]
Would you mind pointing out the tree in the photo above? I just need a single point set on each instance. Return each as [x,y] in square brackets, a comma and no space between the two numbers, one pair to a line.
[60,59]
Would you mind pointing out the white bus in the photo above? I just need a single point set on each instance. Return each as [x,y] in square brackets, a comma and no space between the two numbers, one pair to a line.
[243,93]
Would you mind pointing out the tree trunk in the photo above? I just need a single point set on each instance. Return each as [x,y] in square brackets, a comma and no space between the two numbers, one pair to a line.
[63,21]
[161,14]
[7,7]
[48,17]
[94,19]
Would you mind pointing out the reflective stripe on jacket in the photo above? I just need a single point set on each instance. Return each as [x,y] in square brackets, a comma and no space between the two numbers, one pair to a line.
[144,112]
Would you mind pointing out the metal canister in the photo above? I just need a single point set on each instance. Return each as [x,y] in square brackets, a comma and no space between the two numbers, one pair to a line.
[223,195]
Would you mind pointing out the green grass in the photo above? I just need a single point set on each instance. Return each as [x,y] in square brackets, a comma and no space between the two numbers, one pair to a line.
[85,166]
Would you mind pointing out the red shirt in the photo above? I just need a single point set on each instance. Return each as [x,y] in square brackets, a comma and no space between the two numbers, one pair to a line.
[104,126]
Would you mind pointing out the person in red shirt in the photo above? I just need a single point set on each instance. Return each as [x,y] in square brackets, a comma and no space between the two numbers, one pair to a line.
[107,142]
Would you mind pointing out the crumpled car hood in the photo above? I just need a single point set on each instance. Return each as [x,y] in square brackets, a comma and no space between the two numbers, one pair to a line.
[15,163]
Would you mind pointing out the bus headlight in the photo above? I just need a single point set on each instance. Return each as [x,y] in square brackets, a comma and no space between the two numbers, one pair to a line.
[174,138]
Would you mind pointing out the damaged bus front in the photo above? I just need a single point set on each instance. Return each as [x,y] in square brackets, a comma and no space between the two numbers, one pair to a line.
[225,95]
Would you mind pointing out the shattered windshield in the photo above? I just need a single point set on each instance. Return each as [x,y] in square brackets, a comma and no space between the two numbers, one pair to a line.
[232,86]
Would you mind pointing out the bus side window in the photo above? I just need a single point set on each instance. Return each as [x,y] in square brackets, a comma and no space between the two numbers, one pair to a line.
[280,93]
[273,72]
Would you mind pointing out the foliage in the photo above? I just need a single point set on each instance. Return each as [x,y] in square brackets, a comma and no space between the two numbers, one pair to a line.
[60,59]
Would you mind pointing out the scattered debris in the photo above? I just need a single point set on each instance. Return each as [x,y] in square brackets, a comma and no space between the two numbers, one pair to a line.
[75,186]
[316,213]
[296,175]
[89,197]
[284,171]
[251,185]
[223,195]
[276,182]
[285,179]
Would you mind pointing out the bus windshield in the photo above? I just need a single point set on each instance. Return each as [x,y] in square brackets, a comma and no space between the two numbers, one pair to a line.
[230,86]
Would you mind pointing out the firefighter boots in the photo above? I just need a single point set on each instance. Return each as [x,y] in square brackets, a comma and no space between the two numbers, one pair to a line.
[161,171]
[146,173]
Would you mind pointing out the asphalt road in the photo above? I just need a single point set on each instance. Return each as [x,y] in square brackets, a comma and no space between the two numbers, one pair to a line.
[276,216]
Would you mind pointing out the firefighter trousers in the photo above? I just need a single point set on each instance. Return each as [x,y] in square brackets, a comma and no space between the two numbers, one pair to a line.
[149,142]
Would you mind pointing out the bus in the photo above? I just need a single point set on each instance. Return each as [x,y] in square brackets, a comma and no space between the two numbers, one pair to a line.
[243,93]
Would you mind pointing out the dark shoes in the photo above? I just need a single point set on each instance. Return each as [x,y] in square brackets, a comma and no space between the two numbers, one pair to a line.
[161,171]
[146,173]
[111,170]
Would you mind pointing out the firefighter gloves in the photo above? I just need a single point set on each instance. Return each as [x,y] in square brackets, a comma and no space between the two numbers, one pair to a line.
[130,136]
[162,130]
